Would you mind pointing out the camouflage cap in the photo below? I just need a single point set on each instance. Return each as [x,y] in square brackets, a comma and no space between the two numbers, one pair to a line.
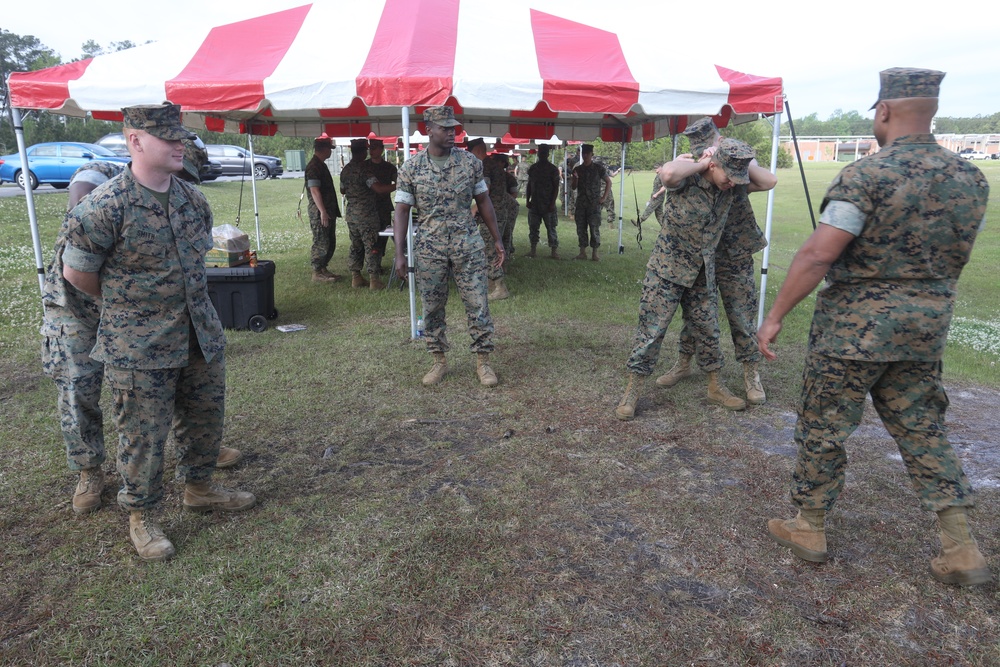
[901,82]
[195,157]
[159,120]
[478,141]
[375,143]
[734,157]
[358,145]
[587,148]
[443,116]
[701,134]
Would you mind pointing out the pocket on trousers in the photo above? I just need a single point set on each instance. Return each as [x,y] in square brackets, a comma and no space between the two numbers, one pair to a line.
[119,379]
[823,388]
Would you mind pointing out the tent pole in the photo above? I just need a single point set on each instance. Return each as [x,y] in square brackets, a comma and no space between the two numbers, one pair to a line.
[29,195]
[253,185]
[767,221]
[410,271]
[621,201]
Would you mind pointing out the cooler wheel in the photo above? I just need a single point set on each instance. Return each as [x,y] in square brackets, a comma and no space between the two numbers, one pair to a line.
[258,323]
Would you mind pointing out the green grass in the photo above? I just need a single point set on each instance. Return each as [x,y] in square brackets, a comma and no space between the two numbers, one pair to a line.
[455,525]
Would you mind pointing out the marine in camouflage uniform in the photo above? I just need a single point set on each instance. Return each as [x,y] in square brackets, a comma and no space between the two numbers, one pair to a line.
[734,276]
[159,336]
[385,172]
[897,229]
[681,268]
[439,184]
[496,182]
[320,187]
[590,179]
[654,206]
[608,194]
[361,214]
[521,174]
[540,197]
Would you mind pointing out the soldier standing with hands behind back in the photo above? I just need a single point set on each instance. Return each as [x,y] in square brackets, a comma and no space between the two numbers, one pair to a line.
[897,228]
[323,209]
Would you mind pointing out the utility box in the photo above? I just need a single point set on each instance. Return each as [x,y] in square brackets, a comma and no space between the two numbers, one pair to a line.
[295,160]
[244,295]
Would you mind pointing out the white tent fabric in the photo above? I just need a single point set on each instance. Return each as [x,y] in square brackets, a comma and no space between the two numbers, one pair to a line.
[278,74]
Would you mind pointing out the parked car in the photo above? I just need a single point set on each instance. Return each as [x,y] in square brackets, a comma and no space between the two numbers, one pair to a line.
[53,163]
[115,142]
[973,154]
[236,162]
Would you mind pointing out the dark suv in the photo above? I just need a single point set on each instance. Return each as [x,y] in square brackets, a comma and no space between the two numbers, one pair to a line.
[235,161]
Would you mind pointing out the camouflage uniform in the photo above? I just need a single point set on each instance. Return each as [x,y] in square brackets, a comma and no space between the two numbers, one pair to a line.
[521,173]
[159,337]
[69,333]
[386,173]
[881,322]
[734,276]
[509,221]
[446,239]
[609,203]
[567,194]
[324,238]
[496,181]
[361,215]
[681,272]
[590,182]
[543,186]
[655,204]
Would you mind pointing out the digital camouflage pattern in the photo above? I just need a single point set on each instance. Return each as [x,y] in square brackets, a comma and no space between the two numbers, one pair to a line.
[385,172]
[506,225]
[910,399]
[890,296]
[541,192]
[324,239]
[734,276]
[446,237]
[587,214]
[361,214]
[654,206]
[160,120]
[681,272]
[496,182]
[96,172]
[900,82]
[880,324]
[153,280]
[609,203]
[159,334]
[701,134]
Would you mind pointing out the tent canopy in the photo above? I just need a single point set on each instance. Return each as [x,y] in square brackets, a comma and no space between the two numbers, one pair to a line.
[290,72]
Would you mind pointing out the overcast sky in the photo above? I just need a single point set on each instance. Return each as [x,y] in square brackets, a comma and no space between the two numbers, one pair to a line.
[828,54]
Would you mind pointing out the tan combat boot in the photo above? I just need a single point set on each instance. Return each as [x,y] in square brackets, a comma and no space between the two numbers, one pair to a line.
[320,277]
[205,497]
[497,290]
[594,256]
[487,377]
[583,253]
[554,254]
[531,253]
[374,282]
[960,561]
[437,371]
[718,394]
[751,379]
[626,407]
[357,280]
[332,276]
[804,535]
[680,370]
[87,496]
[228,457]
[148,538]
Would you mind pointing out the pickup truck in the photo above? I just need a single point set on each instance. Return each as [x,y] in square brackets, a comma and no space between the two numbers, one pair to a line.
[970,154]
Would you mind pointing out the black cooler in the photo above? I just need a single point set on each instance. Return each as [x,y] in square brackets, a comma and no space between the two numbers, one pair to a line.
[243,295]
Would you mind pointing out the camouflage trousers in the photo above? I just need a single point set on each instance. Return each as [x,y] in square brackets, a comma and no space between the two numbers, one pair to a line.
[660,299]
[609,209]
[588,227]
[364,247]
[506,223]
[324,241]
[66,359]
[433,267]
[735,278]
[150,405]
[569,203]
[493,271]
[911,401]
[535,220]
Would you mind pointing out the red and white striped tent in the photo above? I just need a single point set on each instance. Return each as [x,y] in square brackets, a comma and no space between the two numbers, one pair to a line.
[347,68]
[351,68]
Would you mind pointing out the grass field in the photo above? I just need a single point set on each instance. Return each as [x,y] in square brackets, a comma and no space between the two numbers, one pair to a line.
[456,525]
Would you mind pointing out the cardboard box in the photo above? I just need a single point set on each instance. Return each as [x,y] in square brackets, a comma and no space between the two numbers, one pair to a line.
[216,257]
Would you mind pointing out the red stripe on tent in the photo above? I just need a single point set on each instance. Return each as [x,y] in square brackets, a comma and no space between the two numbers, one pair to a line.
[114,116]
[752,94]
[213,124]
[348,129]
[44,89]
[583,68]
[407,65]
[356,109]
[228,71]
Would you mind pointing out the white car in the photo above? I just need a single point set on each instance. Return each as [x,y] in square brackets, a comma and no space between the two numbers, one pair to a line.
[975,155]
